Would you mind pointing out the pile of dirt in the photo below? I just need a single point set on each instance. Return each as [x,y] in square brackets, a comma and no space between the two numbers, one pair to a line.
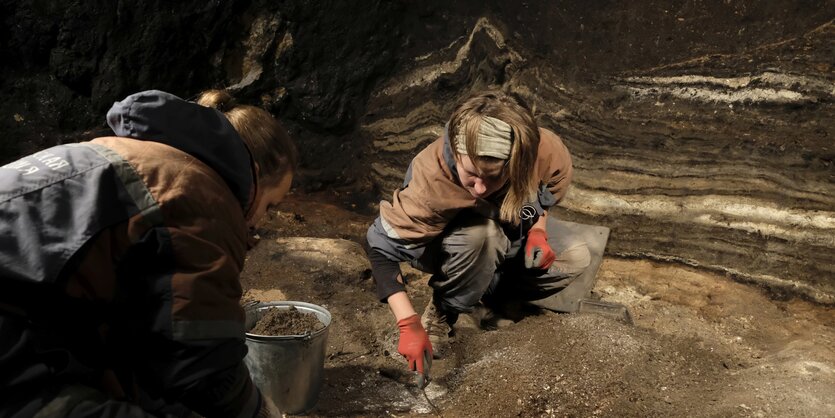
[581,365]
[281,321]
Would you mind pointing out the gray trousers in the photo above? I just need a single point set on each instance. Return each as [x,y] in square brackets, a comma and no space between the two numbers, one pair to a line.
[474,258]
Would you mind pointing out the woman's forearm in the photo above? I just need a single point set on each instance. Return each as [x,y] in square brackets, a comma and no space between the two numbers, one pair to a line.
[400,305]
[541,222]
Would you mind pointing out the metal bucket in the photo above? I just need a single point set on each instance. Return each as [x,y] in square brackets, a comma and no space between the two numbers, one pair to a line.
[287,368]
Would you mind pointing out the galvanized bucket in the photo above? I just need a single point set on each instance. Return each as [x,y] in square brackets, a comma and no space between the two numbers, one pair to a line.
[287,368]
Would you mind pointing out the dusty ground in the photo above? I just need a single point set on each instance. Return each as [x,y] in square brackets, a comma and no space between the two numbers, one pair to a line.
[701,345]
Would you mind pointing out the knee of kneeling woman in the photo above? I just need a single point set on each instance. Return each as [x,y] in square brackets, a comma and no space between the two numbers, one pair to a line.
[479,236]
[575,259]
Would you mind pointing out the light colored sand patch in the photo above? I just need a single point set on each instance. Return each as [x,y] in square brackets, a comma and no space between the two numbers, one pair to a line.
[768,87]
[734,212]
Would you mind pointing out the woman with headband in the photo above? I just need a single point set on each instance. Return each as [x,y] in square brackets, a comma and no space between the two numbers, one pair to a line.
[472,211]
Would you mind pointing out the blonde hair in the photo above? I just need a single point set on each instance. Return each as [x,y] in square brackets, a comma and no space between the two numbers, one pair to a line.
[511,109]
[267,140]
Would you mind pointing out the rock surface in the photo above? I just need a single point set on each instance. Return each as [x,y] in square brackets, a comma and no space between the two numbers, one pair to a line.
[701,131]
[719,158]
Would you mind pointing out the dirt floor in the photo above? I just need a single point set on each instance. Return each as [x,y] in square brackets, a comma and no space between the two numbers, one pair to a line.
[701,344]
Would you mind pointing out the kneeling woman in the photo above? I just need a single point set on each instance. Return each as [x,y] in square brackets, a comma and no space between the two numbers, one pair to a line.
[473,212]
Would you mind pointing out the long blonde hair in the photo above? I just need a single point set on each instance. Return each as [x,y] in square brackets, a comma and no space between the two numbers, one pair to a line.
[511,109]
[267,140]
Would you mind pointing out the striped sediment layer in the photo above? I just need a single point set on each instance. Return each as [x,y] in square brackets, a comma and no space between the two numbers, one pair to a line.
[690,163]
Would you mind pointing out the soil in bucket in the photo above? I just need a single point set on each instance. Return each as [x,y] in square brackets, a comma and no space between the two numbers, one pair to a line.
[278,321]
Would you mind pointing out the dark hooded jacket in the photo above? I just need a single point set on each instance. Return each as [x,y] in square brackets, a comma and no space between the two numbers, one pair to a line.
[121,257]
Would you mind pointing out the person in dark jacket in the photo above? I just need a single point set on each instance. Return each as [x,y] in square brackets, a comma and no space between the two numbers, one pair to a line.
[473,211]
[120,261]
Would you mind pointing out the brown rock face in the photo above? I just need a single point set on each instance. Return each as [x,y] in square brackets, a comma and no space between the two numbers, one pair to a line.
[701,132]
[716,153]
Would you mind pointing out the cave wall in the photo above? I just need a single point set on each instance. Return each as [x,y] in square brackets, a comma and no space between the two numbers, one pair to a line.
[701,131]
[701,134]
[311,63]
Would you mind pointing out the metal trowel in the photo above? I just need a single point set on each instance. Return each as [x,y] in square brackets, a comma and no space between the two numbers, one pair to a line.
[609,309]
[422,379]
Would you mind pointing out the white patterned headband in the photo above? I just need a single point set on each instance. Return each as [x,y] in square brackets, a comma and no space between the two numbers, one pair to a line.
[494,139]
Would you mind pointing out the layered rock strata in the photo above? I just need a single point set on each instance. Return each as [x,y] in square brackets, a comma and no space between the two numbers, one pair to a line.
[689,163]
[701,131]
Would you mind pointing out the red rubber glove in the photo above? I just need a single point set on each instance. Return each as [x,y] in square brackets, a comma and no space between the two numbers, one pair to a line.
[538,254]
[415,346]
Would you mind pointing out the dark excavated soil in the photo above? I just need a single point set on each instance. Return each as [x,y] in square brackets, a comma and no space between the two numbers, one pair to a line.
[280,321]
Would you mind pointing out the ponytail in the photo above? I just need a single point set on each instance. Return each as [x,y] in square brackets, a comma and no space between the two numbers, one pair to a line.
[267,140]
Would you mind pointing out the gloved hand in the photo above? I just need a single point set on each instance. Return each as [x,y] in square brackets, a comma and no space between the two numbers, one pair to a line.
[415,346]
[538,254]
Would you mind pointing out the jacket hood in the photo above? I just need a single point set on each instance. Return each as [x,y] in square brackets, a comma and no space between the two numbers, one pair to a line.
[202,132]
